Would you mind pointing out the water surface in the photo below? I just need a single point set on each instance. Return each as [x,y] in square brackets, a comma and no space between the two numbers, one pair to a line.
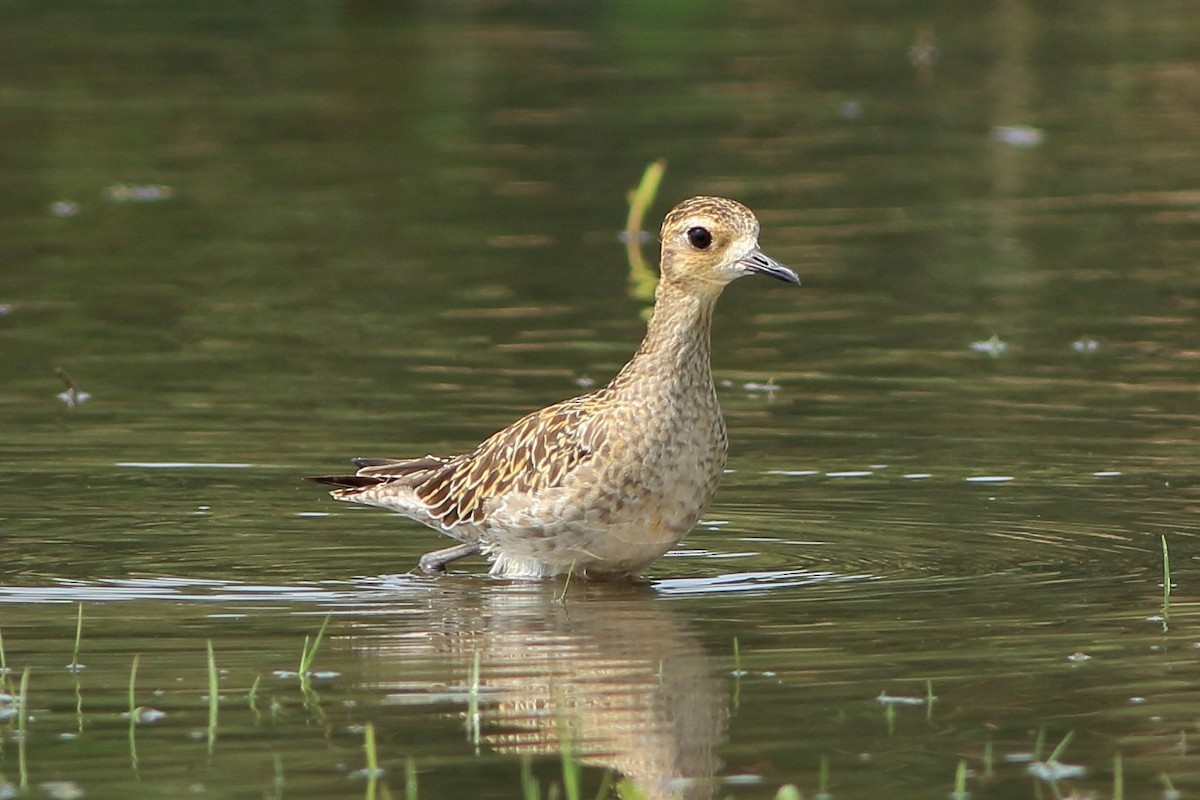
[263,240]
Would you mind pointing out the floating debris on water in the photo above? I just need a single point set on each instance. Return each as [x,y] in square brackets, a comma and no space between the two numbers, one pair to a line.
[73,396]
[1054,771]
[859,473]
[1078,657]
[1106,474]
[917,476]
[64,208]
[770,387]
[990,479]
[994,347]
[850,109]
[145,715]
[5,309]
[902,700]
[1018,135]
[1085,345]
[62,790]
[138,193]
[585,382]
[793,473]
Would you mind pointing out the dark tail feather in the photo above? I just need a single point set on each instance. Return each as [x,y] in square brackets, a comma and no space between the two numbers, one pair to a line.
[345,481]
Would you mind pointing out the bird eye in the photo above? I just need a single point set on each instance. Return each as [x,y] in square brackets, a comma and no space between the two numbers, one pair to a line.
[699,237]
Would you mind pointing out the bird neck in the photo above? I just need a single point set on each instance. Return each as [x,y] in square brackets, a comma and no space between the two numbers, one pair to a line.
[676,349]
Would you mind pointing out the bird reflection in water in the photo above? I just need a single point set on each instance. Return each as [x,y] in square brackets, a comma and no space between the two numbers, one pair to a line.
[608,671]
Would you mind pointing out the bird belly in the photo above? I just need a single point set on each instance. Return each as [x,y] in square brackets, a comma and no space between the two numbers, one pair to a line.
[602,523]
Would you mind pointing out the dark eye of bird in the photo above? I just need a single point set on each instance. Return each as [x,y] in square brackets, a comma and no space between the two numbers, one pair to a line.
[699,237]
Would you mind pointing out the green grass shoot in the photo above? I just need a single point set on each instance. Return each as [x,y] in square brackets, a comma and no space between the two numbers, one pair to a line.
[930,699]
[473,727]
[642,279]
[1039,743]
[410,778]
[960,781]
[1118,790]
[789,791]
[3,662]
[22,713]
[133,713]
[562,596]
[641,198]
[78,638]
[133,690]
[1166,581]
[1169,790]
[530,788]
[571,769]
[309,654]
[987,759]
[372,760]
[23,704]
[252,695]
[213,698]
[823,778]
[1062,746]
[277,784]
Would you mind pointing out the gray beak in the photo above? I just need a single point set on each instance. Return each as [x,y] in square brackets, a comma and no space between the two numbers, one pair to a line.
[761,263]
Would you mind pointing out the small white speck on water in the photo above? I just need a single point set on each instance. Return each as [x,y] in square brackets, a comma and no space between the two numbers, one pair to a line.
[313,514]
[61,790]
[993,347]
[1106,474]
[901,700]
[990,479]
[861,473]
[1054,771]
[64,208]
[917,476]
[138,193]
[1085,345]
[879,466]
[73,397]
[792,473]
[1079,657]
[1137,701]
[1019,136]
[585,382]
[714,523]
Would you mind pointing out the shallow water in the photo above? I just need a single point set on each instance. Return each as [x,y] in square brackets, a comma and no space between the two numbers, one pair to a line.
[263,240]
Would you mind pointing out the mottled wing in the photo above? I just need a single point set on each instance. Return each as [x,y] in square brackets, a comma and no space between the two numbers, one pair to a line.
[535,452]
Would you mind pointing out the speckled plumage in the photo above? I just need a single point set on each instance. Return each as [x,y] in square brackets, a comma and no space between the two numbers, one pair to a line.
[603,483]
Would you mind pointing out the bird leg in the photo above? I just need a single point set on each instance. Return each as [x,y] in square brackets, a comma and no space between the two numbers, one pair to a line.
[435,563]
